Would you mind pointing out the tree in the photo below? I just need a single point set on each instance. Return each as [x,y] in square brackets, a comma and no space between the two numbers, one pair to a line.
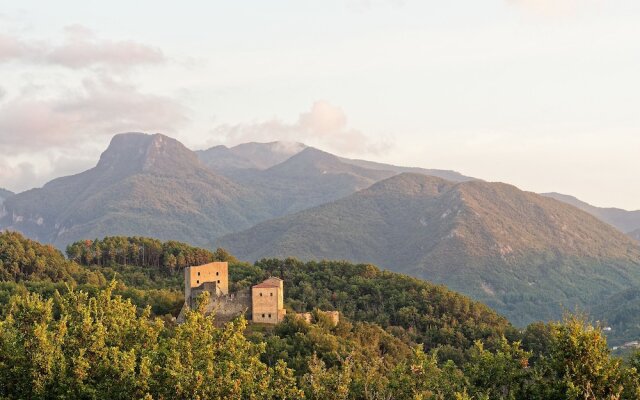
[579,365]
[503,374]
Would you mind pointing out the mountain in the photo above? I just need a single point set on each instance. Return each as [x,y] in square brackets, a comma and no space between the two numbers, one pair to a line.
[526,255]
[296,177]
[309,178]
[4,194]
[625,221]
[313,177]
[142,185]
[635,234]
[249,155]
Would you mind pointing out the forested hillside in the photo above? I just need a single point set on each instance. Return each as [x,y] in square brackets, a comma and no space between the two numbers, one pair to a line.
[398,337]
[525,255]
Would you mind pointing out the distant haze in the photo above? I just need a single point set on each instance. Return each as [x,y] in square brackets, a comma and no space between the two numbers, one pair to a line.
[542,94]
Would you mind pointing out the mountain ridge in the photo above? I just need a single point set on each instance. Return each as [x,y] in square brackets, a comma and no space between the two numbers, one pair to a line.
[252,155]
[140,183]
[490,241]
[626,221]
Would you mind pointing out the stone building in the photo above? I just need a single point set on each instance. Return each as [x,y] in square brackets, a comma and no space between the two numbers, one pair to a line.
[267,301]
[212,277]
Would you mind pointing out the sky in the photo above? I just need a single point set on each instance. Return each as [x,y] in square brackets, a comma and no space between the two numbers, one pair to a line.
[542,94]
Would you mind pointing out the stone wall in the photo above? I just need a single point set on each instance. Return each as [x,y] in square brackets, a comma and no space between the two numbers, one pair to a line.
[226,307]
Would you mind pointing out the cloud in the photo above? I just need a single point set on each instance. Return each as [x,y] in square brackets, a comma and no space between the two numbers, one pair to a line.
[547,7]
[365,5]
[17,174]
[323,125]
[12,48]
[81,48]
[101,106]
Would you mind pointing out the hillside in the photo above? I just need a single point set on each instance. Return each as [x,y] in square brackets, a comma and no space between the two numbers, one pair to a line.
[625,221]
[635,234]
[142,185]
[620,312]
[525,255]
[398,337]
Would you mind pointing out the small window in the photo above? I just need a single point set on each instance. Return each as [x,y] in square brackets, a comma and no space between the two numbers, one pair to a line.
[217,273]
[198,281]
[262,315]
[260,294]
[218,280]
[271,294]
[198,273]
[269,315]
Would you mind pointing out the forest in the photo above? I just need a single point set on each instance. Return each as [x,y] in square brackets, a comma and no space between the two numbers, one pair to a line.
[100,324]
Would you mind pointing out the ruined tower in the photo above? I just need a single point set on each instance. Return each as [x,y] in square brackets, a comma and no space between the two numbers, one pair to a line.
[212,277]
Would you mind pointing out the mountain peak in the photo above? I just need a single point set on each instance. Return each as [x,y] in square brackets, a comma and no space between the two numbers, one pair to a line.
[309,159]
[137,152]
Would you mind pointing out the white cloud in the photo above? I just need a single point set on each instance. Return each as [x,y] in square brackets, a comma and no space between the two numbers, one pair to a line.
[101,106]
[363,5]
[549,7]
[13,176]
[324,125]
[81,48]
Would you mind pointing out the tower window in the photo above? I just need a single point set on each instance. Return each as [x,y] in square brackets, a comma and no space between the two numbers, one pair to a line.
[218,280]
[260,294]
[217,273]
[269,315]
[198,281]
[198,273]
[271,294]
[262,315]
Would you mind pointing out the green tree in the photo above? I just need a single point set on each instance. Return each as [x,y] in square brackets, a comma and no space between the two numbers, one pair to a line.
[503,374]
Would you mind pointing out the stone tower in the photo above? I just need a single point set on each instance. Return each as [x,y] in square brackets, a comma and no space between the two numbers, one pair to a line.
[267,301]
[212,277]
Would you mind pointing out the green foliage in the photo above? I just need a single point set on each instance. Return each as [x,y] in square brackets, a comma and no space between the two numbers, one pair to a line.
[501,374]
[24,259]
[169,257]
[621,312]
[77,346]
[412,309]
[67,333]
[579,365]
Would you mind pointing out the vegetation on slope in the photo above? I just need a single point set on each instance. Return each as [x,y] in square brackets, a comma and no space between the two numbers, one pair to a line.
[527,256]
[398,338]
[80,346]
[620,312]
